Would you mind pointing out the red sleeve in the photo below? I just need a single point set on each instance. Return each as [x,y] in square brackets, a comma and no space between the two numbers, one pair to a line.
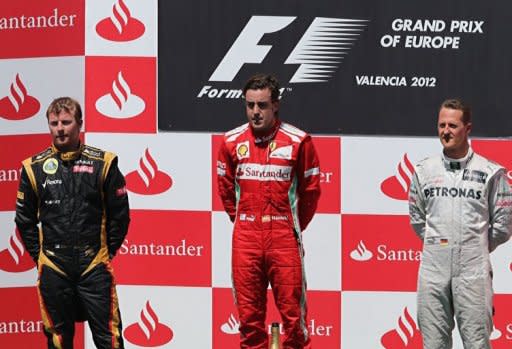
[226,180]
[308,173]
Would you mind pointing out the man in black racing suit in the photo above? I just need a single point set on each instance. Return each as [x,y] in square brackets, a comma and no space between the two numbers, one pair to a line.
[78,195]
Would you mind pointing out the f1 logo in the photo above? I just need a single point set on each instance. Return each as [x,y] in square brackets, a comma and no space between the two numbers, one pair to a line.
[318,52]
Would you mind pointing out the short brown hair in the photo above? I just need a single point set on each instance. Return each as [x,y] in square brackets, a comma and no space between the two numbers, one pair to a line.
[66,104]
[262,81]
[458,104]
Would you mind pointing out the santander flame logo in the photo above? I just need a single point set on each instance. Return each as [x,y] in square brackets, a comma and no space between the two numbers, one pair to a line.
[495,334]
[18,105]
[120,26]
[361,253]
[120,103]
[397,187]
[15,258]
[406,336]
[147,179]
[231,326]
[148,332]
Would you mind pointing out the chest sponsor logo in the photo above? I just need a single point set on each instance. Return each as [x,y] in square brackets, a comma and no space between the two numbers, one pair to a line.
[148,179]
[258,172]
[242,150]
[83,169]
[282,152]
[397,186]
[474,176]
[50,182]
[120,102]
[15,258]
[453,193]
[148,331]
[18,105]
[120,25]
[50,166]
[405,336]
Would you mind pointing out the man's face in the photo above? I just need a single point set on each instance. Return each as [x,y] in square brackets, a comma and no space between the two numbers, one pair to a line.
[260,109]
[452,132]
[65,131]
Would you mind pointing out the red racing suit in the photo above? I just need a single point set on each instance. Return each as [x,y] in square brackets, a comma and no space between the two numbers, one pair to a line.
[270,188]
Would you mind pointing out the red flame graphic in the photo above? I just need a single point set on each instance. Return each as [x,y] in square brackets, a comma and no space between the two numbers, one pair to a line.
[18,105]
[148,180]
[121,26]
[15,259]
[149,332]
[120,91]
[397,187]
[407,336]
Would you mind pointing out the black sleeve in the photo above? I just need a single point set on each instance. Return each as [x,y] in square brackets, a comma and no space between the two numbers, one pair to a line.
[117,208]
[27,206]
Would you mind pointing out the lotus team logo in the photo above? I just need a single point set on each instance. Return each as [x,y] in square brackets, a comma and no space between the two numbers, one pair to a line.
[231,326]
[15,258]
[147,179]
[361,253]
[18,105]
[120,103]
[148,332]
[406,336]
[397,187]
[120,26]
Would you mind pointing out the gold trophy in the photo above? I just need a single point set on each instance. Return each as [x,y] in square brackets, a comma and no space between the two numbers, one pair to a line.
[275,342]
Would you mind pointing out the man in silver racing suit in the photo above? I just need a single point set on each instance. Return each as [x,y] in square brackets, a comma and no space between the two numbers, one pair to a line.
[460,207]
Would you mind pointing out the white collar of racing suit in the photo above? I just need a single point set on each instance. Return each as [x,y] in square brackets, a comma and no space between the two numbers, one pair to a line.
[457,164]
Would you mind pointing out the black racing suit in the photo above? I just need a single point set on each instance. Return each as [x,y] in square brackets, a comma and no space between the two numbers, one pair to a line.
[80,200]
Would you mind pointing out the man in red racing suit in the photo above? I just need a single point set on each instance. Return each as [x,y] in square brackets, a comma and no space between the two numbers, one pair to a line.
[269,182]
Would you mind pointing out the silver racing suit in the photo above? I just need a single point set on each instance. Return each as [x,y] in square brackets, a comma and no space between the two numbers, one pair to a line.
[461,210]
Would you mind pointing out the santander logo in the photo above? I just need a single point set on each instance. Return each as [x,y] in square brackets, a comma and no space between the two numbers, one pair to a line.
[148,332]
[495,334]
[18,105]
[14,258]
[120,26]
[120,103]
[406,336]
[397,186]
[231,326]
[147,179]
[361,253]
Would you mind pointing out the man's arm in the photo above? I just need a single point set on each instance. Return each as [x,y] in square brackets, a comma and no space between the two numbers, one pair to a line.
[308,173]
[500,210]
[117,208]
[417,214]
[26,219]
[226,181]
